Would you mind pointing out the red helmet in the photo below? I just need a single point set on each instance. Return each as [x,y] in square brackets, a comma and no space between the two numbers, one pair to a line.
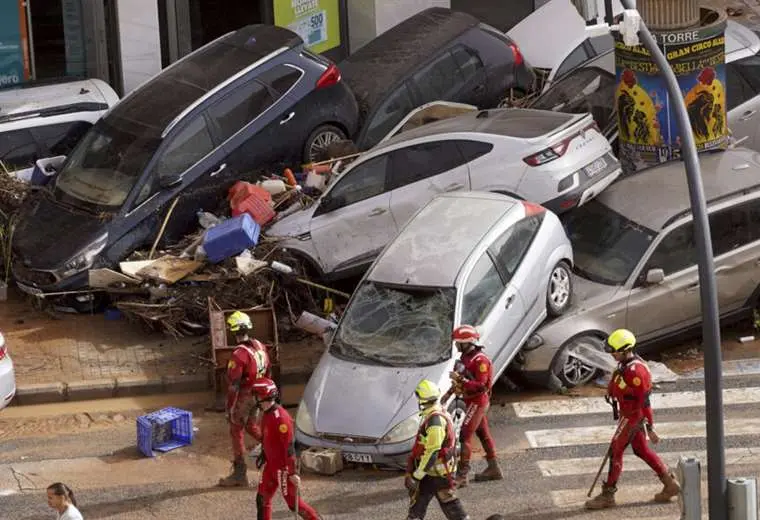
[264,389]
[465,334]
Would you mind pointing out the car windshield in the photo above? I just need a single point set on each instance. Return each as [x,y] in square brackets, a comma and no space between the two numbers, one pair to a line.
[107,163]
[606,245]
[392,326]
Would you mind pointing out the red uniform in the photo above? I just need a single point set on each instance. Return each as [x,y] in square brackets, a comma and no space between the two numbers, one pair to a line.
[477,398]
[278,448]
[249,362]
[631,386]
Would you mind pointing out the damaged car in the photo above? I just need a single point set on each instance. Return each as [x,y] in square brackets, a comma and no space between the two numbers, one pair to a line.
[223,113]
[484,259]
[558,160]
[636,263]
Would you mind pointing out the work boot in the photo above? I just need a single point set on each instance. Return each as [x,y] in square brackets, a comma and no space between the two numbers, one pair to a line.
[239,475]
[492,472]
[670,488]
[461,479]
[604,499]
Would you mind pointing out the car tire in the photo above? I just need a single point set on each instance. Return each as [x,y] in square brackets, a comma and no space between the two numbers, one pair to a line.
[318,141]
[559,289]
[570,370]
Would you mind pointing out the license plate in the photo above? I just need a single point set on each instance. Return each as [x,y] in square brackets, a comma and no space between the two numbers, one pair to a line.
[595,167]
[358,457]
[29,290]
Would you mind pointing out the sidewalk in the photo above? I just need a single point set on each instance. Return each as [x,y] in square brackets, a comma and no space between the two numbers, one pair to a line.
[67,357]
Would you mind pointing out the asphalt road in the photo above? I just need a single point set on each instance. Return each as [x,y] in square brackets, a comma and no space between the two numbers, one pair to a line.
[550,451]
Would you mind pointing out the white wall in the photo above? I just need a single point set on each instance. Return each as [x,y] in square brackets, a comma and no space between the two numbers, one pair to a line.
[140,41]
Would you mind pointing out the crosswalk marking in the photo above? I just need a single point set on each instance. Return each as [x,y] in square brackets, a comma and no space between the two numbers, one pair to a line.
[590,465]
[7,492]
[660,400]
[585,435]
[626,494]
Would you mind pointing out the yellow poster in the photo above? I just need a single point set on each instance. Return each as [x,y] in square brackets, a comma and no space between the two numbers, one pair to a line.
[317,22]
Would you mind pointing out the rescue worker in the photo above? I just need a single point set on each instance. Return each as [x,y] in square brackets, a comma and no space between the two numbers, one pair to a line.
[473,382]
[630,387]
[278,455]
[432,462]
[249,361]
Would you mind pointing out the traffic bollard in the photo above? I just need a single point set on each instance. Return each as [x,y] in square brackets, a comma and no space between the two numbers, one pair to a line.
[690,499]
[742,499]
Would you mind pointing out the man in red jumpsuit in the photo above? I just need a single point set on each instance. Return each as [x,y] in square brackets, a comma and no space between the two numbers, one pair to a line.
[249,362]
[630,386]
[278,454]
[473,382]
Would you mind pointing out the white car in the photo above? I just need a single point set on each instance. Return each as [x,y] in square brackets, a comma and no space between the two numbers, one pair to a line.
[558,160]
[40,121]
[7,375]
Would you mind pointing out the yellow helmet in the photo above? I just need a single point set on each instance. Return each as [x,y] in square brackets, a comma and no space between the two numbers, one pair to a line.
[621,340]
[427,393]
[239,321]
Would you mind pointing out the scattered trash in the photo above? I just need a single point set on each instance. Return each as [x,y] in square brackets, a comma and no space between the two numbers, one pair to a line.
[207,220]
[324,461]
[169,269]
[746,339]
[314,324]
[164,430]
[231,238]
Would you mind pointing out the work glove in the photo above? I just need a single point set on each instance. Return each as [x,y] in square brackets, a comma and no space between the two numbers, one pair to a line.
[411,484]
[652,434]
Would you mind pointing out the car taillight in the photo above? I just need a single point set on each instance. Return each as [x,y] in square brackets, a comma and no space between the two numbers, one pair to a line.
[556,151]
[531,208]
[516,54]
[329,77]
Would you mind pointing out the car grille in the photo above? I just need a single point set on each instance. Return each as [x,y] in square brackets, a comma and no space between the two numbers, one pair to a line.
[31,276]
[349,439]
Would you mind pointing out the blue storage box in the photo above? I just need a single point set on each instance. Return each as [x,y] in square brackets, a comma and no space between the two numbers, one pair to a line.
[231,237]
[164,430]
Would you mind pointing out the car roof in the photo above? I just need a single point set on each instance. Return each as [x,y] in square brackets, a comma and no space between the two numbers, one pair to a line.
[433,246]
[520,123]
[157,102]
[654,197]
[741,41]
[373,70]
[72,96]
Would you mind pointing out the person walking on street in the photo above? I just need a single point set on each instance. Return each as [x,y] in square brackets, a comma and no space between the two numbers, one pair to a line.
[473,381]
[278,455]
[629,388]
[249,362]
[432,462]
[61,499]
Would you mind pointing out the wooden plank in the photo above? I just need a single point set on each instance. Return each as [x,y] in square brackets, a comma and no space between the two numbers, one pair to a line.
[132,268]
[106,278]
[169,269]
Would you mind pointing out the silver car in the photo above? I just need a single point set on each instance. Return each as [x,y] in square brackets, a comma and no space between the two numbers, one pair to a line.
[7,376]
[558,160]
[479,258]
[635,262]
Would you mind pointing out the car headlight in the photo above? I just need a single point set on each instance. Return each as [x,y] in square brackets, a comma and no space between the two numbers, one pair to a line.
[85,258]
[303,420]
[404,430]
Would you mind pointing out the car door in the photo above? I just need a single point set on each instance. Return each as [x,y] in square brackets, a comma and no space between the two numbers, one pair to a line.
[474,89]
[654,310]
[387,115]
[742,102]
[441,79]
[420,172]
[494,306]
[353,222]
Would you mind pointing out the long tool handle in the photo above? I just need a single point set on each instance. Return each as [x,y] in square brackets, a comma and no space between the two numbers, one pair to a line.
[599,473]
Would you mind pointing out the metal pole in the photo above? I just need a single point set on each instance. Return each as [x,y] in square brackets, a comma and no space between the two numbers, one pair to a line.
[716,463]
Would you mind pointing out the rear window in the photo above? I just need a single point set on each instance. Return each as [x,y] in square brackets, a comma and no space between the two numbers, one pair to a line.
[525,124]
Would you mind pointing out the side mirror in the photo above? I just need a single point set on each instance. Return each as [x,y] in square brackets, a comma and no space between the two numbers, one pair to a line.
[170,180]
[655,276]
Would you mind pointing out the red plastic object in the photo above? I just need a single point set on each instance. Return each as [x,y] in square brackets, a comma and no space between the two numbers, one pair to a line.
[260,210]
[242,190]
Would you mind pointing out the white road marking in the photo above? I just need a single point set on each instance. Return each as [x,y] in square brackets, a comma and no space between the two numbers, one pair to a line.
[660,401]
[602,434]
[8,492]
[590,465]
[639,495]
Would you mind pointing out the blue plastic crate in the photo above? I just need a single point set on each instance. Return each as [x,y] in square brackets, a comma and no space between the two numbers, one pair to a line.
[164,430]
[231,237]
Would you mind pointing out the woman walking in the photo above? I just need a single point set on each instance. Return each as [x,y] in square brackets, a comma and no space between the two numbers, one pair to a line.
[61,499]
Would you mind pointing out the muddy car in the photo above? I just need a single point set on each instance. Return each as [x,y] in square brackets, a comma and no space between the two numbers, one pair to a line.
[245,101]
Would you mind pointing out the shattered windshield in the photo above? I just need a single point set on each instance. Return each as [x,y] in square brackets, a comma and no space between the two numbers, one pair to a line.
[393,326]
[606,245]
[107,163]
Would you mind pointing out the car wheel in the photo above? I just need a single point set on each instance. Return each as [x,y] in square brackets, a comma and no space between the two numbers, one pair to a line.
[559,290]
[319,140]
[571,370]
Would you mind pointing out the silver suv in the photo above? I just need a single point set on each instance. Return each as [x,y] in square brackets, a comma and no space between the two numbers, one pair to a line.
[635,262]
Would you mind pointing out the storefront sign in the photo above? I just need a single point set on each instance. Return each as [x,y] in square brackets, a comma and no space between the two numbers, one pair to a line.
[648,130]
[317,22]
[14,55]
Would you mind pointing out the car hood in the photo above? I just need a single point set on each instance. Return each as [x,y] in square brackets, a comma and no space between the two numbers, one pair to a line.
[588,295]
[41,224]
[348,398]
[293,225]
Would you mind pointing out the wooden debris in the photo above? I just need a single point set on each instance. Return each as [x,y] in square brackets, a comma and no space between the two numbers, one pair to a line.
[107,278]
[169,269]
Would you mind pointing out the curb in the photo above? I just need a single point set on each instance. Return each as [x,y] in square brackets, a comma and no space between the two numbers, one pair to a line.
[128,386]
